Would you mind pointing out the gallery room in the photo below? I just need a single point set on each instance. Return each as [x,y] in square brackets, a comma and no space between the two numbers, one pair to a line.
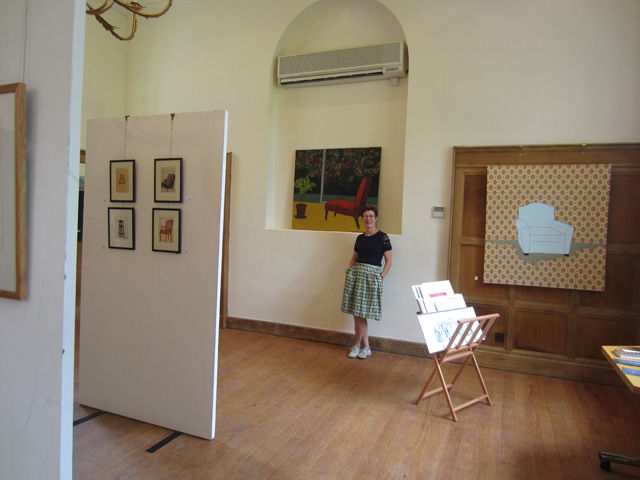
[190,323]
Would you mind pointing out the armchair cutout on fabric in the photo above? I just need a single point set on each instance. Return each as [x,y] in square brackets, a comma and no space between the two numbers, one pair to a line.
[539,232]
[346,207]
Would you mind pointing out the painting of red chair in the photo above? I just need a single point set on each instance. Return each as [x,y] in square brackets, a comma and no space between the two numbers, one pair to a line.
[351,209]
[336,181]
[167,230]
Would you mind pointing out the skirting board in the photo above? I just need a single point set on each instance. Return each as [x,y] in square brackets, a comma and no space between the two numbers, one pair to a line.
[488,357]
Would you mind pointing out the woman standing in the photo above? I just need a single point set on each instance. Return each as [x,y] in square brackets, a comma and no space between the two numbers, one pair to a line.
[362,295]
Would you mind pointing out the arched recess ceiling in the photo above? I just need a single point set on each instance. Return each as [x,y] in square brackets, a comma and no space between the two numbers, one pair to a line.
[362,114]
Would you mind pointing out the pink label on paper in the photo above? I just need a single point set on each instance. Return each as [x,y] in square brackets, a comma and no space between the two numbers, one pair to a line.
[441,294]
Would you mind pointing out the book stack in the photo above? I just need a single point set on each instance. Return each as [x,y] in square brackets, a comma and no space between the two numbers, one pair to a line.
[628,353]
[439,311]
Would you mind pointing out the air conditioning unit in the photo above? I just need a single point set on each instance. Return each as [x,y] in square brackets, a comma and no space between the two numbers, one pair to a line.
[358,64]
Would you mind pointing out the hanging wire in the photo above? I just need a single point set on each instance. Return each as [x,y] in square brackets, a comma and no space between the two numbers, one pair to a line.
[24,49]
[173,116]
[126,124]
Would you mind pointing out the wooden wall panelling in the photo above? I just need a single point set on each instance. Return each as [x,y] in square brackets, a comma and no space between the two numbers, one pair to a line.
[497,335]
[543,330]
[593,332]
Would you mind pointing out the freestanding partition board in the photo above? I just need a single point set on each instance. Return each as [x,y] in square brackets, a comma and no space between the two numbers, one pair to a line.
[149,319]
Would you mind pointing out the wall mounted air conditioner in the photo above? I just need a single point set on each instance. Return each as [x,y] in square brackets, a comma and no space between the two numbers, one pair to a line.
[387,60]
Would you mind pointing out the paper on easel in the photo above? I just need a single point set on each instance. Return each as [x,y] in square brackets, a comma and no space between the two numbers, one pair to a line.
[434,290]
[418,294]
[438,296]
[450,303]
[439,327]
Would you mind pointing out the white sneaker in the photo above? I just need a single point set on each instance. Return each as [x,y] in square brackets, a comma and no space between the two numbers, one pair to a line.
[364,353]
[353,353]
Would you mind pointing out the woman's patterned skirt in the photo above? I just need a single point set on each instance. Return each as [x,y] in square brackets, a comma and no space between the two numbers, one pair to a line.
[362,294]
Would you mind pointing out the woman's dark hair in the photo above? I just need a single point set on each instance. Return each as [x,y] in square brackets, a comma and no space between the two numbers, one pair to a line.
[373,208]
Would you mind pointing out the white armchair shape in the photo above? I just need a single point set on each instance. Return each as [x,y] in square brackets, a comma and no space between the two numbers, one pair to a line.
[539,232]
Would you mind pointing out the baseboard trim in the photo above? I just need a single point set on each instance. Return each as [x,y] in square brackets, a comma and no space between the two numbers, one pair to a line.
[488,357]
[326,336]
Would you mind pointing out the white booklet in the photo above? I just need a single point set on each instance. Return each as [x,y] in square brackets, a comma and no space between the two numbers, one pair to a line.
[438,296]
[439,327]
[450,303]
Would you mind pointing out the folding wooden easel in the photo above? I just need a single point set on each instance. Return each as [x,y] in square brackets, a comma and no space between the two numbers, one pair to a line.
[475,331]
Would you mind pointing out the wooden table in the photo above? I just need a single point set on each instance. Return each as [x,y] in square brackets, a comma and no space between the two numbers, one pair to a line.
[633,383]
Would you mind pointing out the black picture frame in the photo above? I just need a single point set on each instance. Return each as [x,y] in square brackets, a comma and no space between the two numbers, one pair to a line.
[167,180]
[166,230]
[122,180]
[121,227]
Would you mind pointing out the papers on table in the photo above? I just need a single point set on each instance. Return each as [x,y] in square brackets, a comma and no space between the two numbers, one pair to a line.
[440,309]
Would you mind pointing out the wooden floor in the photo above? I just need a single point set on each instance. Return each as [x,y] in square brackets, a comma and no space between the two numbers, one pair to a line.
[292,409]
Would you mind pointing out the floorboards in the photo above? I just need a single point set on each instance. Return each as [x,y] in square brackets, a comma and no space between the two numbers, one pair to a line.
[293,409]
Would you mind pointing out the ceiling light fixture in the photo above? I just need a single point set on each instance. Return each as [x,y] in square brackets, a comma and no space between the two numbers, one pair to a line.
[134,8]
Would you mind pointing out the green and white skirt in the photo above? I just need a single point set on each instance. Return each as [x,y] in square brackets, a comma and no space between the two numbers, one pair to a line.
[362,294]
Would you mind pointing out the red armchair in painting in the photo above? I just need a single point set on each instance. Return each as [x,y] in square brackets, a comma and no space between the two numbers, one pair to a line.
[167,231]
[346,207]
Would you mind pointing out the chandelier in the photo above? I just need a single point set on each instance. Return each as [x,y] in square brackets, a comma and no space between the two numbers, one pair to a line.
[134,8]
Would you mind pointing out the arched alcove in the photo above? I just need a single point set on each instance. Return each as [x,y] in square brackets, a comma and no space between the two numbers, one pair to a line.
[362,114]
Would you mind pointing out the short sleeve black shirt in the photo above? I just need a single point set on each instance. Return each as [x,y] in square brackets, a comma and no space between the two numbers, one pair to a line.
[371,249]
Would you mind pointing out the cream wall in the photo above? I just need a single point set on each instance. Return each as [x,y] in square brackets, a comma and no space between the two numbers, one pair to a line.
[104,67]
[491,72]
[332,116]
[41,44]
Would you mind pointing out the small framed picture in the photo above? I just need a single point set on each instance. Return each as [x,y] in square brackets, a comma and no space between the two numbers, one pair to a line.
[122,230]
[167,230]
[122,180]
[168,180]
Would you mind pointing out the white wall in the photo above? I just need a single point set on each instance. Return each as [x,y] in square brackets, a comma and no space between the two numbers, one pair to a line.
[491,72]
[36,335]
[104,76]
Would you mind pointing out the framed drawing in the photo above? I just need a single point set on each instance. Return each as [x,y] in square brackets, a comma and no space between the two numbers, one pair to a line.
[13,192]
[167,230]
[122,228]
[168,180]
[122,180]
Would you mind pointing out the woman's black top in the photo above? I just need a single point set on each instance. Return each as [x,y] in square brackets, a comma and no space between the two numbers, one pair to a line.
[371,249]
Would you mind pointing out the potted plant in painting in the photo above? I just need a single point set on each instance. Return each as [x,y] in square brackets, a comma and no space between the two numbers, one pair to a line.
[303,185]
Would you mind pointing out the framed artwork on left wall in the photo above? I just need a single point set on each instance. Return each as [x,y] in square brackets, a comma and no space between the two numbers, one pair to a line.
[122,180]
[122,228]
[167,230]
[167,180]
[13,191]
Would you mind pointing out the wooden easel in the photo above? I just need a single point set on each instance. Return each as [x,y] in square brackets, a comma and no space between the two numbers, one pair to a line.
[476,333]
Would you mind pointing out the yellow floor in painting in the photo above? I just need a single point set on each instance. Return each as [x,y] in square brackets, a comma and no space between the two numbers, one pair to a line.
[313,219]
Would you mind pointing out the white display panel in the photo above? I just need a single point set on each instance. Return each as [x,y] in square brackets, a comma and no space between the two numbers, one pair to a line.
[149,320]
